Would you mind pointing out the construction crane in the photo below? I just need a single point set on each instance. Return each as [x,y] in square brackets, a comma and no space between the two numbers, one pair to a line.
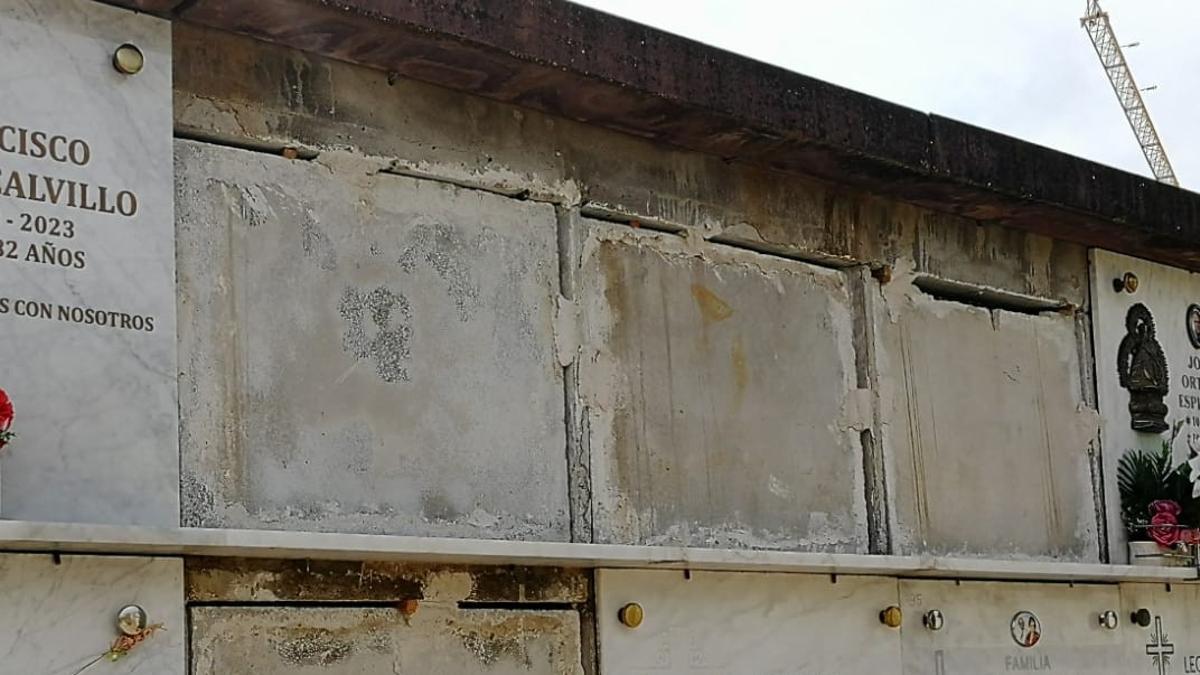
[1100,30]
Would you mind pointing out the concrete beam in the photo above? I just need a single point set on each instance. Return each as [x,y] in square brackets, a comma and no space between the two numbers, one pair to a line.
[586,65]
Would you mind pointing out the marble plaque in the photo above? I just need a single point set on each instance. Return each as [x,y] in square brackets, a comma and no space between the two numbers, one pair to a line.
[732,622]
[1168,641]
[1166,294]
[990,627]
[59,616]
[87,266]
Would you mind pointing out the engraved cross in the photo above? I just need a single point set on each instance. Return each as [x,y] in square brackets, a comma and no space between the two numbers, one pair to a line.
[1158,648]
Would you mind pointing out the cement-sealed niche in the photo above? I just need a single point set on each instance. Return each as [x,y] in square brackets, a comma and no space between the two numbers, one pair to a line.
[437,638]
[720,391]
[988,431]
[366,352]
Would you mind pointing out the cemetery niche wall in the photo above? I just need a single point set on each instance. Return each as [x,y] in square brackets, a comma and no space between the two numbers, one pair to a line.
[410,309]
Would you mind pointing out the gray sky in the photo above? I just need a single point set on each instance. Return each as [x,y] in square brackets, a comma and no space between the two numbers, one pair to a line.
[1021,67]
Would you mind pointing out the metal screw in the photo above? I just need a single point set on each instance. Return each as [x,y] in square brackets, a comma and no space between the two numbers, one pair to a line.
[631,615]
[1109,619]
[933,619]
[131,620]
[891,617]
[1141,617]
[128,59]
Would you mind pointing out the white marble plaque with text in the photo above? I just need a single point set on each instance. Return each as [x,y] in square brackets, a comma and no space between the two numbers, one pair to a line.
[1167,293]
[87,266]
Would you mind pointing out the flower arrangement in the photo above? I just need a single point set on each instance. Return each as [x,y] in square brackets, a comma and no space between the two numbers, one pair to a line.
[1158,498]
[6,419]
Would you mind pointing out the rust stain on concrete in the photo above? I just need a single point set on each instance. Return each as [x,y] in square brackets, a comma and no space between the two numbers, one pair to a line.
[712,307]
[741,374]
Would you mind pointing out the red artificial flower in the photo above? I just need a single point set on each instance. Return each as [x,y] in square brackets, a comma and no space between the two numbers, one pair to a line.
[1189,536]
[1165,506]
[6,418]
[1164,523]
[6,411]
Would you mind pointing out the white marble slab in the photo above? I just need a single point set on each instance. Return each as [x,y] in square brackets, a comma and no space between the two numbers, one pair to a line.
[977,635]
[1166,292]
[55,617]
[716,622]
[1171,640]
[96,405]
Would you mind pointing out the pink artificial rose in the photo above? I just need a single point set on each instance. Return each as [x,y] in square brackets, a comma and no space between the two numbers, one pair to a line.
[6,418]
[1165,506]
[1164,523]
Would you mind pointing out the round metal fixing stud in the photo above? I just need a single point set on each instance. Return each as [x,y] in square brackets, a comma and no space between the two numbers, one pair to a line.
[128,59]
[934,619]
[1141,617]
[631,615]
[891,617]
[131,620]
[1127,283]
[1109,619]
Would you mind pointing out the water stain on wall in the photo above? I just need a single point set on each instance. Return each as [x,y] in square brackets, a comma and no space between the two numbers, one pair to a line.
[378,327]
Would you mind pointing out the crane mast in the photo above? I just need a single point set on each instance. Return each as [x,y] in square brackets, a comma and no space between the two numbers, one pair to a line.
[1100,30]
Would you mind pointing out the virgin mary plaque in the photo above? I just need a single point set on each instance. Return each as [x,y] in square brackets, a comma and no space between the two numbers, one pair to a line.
[1142,370]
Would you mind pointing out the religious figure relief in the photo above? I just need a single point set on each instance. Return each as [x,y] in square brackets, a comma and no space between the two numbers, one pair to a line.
[1142,369]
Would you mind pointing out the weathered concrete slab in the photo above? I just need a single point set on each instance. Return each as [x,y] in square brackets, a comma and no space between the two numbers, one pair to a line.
[365,352]
[745,623]
[979,635]
[438,638]
[60,615]
[1166,293]
[719,387]
[987,430]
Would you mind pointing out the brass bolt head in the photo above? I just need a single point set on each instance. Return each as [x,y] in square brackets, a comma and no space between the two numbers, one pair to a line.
[131,620]
[409,606]
[1127,283]
[631,615]
[891,617]
[128,59]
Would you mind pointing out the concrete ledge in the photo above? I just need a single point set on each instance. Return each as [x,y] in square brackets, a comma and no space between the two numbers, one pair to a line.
[24,536]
